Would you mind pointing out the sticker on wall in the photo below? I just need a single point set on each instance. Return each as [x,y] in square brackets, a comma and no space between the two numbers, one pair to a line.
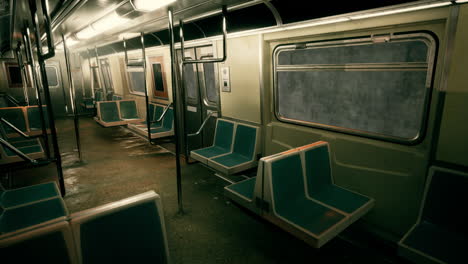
[225,82]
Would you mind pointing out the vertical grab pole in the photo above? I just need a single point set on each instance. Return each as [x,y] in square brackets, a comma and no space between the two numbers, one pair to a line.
[102,83]
[174,101]
[24,76]
[143,54]
[45,85]
[76,120]
[36,81]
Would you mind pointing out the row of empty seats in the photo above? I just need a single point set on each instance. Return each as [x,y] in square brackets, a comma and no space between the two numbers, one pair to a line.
[30,147]
[25,118]
[235,147]
[159,129]
[295,190]
[440,234]
[35,227]
[117,113]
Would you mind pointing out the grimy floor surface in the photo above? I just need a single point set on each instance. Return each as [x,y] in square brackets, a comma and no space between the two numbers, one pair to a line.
[118,164]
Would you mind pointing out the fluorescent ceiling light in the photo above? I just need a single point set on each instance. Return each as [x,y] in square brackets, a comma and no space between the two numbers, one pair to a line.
[70,42]
[461,1]
[150,5]
[401,10]
[109,21]
[86,33]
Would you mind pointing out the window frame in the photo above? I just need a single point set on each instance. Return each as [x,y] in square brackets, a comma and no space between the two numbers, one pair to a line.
[7,66]
[59,79]
[158,94]
[428,37]
[129,80]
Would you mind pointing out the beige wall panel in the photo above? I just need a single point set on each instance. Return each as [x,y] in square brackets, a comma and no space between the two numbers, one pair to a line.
[243,102]
[453,140]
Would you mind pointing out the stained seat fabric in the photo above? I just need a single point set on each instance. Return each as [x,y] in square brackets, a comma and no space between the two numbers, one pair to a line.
[29,194]
[290,201]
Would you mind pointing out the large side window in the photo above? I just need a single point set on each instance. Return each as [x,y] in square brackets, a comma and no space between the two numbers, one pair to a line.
[373,86]
[136,80]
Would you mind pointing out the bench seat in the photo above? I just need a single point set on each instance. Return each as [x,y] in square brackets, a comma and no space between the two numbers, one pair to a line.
[28,194]
[27,216]
[222,143]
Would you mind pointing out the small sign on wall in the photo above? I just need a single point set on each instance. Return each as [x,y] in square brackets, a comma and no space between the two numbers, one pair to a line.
[225,80]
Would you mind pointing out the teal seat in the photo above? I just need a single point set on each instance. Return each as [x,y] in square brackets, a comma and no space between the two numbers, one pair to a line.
[31,147]
[128,231]
[32,214]
[244,189]
[29,194]
[116,97]
[108,114]
[128,110]
[167,126]
[158,110]
[15,116]
[34,118]
[243,152]
[99,96]
[320,184]
[222,142]
[290,202]
[440,235]
[51,243]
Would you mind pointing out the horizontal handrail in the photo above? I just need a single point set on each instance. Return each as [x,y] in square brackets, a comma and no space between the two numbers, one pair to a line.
[191,61]
[18,152]
[17,130]
[163,114]
[203,124]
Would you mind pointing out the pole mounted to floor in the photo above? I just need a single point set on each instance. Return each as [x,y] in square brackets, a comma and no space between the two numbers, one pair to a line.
[45,84]
[76,120]
[174,101]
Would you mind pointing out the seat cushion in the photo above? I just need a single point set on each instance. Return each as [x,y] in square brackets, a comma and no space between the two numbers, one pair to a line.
[109,112]
[211,151]
[29,194]
[160,130]
[32,214]
[341,199]
[26,150]
[34,118]
[231,160]
[244,189]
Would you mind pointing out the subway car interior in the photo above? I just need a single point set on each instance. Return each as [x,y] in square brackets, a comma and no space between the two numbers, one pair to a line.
[233,131]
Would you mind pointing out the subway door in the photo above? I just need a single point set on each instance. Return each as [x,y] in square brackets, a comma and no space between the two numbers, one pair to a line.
[210,102]
[193,111]
[58,95]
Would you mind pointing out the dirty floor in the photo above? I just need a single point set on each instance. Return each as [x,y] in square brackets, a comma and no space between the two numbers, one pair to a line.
[118,164]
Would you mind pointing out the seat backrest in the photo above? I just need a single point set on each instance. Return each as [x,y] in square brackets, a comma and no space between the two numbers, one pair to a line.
[109,111]
[34,117]
[52,243]
[286,174]
[245,140]
[445,198]
[224,134]
[128,109]
[98,96]
[127,231]
[168,120]
[317,166]
[15,116]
